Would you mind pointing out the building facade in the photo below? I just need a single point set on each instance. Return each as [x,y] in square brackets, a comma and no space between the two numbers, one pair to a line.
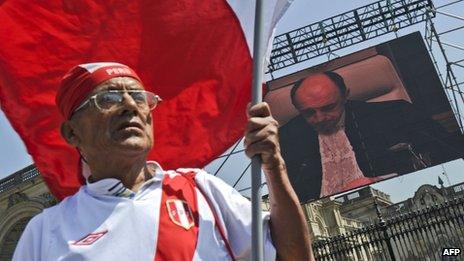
[418,228]
[22,196]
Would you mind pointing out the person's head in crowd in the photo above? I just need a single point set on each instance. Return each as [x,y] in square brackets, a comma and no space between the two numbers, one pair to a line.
[320,99]
[107,112]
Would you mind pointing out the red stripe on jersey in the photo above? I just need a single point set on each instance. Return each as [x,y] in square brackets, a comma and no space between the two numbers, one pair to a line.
[177,236]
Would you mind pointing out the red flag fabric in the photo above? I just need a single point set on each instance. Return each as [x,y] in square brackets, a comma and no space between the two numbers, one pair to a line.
[194,54]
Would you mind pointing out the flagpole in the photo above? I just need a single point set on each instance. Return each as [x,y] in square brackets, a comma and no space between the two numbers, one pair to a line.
[258,51]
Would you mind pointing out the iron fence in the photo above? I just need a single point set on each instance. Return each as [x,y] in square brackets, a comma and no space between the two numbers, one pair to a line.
[417,235]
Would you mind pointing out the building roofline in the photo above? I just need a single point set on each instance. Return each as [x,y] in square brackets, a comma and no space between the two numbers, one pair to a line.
[17,178]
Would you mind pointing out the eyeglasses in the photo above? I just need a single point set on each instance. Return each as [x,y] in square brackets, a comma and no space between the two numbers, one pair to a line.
[109,99]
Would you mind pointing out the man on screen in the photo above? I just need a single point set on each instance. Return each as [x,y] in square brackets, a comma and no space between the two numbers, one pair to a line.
[336,144]
[132,209]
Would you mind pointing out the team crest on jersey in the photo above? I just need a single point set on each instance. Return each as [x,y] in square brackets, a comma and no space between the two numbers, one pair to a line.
[180,213]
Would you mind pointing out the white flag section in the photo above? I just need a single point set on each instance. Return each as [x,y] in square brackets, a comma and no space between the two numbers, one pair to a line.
[272,10]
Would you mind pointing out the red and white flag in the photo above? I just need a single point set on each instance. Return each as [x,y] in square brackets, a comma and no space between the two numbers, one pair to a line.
[195,54]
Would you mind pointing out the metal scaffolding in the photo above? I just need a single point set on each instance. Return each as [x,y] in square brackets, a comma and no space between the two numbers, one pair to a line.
[346,29]
[449,78]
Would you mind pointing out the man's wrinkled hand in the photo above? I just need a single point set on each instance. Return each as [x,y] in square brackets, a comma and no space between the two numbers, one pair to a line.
[261,136]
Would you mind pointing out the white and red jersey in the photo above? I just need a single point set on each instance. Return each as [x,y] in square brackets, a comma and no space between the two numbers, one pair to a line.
[106,221]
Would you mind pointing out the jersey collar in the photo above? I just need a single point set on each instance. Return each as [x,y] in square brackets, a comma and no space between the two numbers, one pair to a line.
[114,187]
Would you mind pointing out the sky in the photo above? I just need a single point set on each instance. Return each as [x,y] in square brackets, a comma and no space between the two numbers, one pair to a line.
[13,155]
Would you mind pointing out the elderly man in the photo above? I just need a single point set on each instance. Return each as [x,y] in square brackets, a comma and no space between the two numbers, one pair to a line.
[336,144]
[131,209]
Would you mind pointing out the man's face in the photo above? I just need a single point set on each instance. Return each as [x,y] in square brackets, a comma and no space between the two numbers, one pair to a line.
[320,102]
[124,129]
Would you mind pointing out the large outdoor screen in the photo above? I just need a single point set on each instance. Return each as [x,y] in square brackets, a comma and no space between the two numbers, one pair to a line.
[362,118]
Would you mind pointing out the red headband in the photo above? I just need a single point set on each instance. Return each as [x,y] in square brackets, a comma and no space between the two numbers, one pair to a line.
[80,81]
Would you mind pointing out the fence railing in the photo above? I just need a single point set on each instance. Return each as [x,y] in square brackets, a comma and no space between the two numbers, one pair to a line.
[417,235]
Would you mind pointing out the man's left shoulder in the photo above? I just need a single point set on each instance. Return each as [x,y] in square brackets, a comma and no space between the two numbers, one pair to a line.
[379,104]
[393,107]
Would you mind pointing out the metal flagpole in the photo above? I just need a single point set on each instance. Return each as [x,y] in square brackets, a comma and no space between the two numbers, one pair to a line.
[258,60]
